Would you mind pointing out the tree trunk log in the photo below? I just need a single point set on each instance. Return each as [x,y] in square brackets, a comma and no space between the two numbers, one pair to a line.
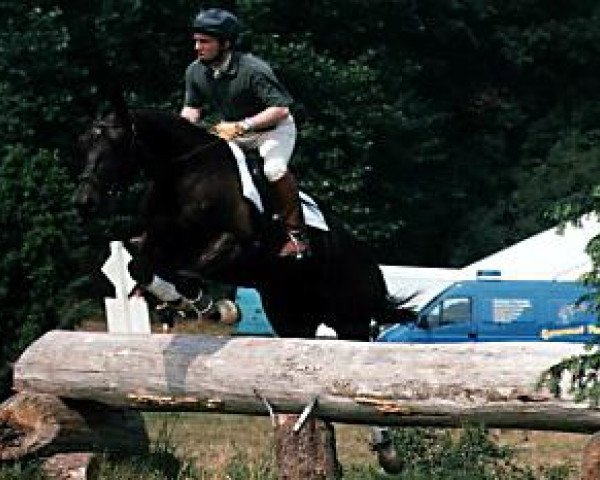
[308,453]
[379,384]
[42,425]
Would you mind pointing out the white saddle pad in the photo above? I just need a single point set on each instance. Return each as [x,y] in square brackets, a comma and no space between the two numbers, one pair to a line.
[312,213]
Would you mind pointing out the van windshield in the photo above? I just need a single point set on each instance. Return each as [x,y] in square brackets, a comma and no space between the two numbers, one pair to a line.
[450,311]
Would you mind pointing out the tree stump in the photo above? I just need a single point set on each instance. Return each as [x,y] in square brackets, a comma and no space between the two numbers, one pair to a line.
[43,425]
[308,454]
[590,465]
[72,466]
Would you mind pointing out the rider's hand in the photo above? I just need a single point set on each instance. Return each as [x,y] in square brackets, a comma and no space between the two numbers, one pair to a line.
[228,130]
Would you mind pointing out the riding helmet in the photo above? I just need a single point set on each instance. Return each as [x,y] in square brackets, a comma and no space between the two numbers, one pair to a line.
[218,23]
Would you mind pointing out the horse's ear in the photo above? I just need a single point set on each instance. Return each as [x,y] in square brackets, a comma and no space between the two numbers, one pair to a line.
[121,109]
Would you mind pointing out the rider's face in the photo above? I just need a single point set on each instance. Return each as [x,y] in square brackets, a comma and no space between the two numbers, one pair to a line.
[208,48]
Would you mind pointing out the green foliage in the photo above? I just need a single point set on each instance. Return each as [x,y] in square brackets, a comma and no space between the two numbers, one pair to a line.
[22,471]
[436,145]
[338,120]
[34,62]
[471,455]
[162,462]
[38,228]
[241,467]
[581,375]
[458,132]
[429,454]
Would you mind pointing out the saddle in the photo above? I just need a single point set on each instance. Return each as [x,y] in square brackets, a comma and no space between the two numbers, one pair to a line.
[255,166]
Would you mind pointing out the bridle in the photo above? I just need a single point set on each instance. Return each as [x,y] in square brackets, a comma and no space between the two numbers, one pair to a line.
[136,145]
[89,175]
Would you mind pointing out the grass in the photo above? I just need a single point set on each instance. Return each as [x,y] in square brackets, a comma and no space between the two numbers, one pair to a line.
[215,441]
[219,447]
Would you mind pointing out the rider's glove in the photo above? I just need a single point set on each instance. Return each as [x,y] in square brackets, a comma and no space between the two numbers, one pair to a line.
[228,130]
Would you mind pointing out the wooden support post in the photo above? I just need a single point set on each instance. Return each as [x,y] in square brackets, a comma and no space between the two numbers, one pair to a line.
[308,453]
[590,465]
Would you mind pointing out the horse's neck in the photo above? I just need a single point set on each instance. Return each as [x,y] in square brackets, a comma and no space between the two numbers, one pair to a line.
[169,137]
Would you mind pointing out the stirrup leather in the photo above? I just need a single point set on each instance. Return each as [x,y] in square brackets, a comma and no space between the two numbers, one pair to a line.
[296,245]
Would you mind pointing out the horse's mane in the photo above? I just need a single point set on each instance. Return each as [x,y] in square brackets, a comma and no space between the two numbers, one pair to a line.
[169,127]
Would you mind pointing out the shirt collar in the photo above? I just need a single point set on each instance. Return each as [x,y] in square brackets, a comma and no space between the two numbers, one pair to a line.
[229,66]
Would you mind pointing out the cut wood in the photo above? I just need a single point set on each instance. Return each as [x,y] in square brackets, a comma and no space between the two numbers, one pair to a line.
[385,384]
[42,425]
[590,464]
[308,453]
[72,466]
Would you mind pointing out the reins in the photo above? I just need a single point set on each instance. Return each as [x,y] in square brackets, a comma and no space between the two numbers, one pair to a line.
[135,141]
[196,150]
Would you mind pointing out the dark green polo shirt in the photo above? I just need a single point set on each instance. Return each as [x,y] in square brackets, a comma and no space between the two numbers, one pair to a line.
[246,87]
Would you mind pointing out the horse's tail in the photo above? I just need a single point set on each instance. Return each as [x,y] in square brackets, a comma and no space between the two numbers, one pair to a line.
[395,310]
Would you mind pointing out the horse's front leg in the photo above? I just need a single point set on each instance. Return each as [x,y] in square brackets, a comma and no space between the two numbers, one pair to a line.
[220,252]
[144,269]
[145,266]
[158,276]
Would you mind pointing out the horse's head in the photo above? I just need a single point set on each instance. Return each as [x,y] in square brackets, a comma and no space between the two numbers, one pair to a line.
[109,159]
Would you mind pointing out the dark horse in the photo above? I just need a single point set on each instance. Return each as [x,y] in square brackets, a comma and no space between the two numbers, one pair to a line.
[197,220]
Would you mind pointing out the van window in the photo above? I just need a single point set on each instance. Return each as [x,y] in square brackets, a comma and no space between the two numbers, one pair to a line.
[433,317]
[449,312]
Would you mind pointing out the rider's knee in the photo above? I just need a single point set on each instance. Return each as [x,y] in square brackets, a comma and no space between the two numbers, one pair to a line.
[275,169]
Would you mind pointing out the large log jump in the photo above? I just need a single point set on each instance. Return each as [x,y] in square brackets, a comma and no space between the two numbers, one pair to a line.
[445,385]
[361,383]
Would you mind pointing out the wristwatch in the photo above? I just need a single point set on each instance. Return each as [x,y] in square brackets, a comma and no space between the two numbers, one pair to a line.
[246,125]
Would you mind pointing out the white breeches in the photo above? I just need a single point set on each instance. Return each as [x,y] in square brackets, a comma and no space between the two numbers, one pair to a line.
[274,146]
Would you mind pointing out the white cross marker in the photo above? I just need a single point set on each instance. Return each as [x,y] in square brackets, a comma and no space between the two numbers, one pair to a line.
[124,314]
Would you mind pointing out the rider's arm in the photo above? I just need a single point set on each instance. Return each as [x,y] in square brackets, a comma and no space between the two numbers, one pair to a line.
[269,117]
[191,113]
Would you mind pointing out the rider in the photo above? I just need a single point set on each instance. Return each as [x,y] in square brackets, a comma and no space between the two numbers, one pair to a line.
[253,108]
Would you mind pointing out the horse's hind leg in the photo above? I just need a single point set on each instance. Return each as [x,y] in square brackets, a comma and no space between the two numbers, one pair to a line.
[353,327]
[287,320]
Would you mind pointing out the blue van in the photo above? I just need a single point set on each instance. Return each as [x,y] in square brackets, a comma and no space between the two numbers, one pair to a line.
[503,311]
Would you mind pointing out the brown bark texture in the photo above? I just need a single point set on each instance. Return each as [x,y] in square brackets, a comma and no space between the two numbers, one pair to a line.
[309,453]
[43,425]
[590,465]
[72,466]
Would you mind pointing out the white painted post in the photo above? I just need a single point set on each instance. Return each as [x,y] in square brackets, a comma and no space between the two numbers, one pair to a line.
[124,314]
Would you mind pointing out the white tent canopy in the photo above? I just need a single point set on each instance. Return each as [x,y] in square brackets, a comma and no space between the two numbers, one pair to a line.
[555,254]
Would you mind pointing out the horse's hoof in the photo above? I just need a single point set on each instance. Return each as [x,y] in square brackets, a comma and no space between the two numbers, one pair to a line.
[228,312]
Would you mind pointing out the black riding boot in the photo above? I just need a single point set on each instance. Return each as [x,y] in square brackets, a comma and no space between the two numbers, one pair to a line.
[286,203]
